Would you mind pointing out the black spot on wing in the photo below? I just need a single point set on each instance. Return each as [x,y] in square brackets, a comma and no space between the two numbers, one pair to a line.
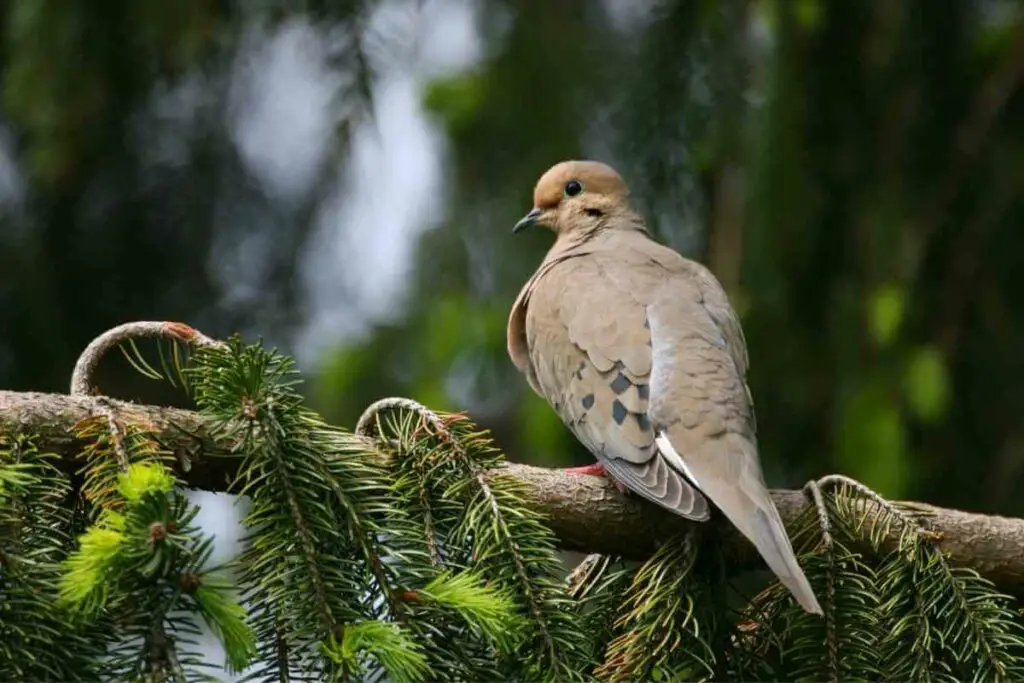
[619,412]
[644,391]
[620,383]
[588,401]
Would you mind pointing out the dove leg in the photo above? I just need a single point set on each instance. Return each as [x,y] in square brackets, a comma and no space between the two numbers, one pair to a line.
[596,470]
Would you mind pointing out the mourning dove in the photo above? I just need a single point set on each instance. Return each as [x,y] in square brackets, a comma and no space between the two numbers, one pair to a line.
[639,352]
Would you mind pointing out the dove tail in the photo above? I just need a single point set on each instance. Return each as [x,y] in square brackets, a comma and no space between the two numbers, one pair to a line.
[769,535]
[746,502]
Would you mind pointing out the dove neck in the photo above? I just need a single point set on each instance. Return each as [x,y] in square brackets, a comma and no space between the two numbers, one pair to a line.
[625,221]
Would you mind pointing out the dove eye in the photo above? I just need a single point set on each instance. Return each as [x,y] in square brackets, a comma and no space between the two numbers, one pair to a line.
[573,188]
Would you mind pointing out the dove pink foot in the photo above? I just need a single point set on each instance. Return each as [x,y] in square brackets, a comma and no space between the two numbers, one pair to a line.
[595,470]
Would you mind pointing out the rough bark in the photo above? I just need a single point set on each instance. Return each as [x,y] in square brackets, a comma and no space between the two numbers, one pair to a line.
[587,513]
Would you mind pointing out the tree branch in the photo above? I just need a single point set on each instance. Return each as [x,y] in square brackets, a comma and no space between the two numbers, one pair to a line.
[587,513]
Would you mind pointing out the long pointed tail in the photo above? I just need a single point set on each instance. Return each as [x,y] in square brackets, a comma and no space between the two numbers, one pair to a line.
[765,530]
[726,470]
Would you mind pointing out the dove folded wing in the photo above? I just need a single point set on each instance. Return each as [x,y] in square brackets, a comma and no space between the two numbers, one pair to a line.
[701,408]
[590,355]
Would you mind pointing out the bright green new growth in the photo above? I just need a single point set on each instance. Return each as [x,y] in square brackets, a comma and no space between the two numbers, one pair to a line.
[409,556]
[144,479]
[89,569]
[492,611]
[397,653]
[143,565]
[84,583]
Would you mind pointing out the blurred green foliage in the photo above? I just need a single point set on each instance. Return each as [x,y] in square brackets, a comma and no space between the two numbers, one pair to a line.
[852,172]
[119,115]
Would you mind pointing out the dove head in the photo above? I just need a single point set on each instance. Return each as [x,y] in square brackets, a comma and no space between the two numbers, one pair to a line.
[576,197]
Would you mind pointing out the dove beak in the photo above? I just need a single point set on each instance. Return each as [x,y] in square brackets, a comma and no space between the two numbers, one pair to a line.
[526,221]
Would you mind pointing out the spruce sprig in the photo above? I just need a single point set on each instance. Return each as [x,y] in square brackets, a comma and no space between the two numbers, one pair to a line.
[463,624]
[145,567]
[946,623]
[895,609]
[667,625]
[111,447]
[474,517]
[312,568]
[38,639]
[599,584]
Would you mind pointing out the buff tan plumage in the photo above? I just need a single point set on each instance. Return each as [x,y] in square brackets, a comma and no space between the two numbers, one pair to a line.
[642,356]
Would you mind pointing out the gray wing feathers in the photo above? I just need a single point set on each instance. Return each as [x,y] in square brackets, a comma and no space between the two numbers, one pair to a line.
[700,399]
[590,350]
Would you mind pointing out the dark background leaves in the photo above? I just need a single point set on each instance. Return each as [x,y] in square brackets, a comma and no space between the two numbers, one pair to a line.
[852,172]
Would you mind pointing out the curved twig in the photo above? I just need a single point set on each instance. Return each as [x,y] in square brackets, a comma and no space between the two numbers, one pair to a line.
[813,488]
[89,360]
[825,526]
[365,425]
